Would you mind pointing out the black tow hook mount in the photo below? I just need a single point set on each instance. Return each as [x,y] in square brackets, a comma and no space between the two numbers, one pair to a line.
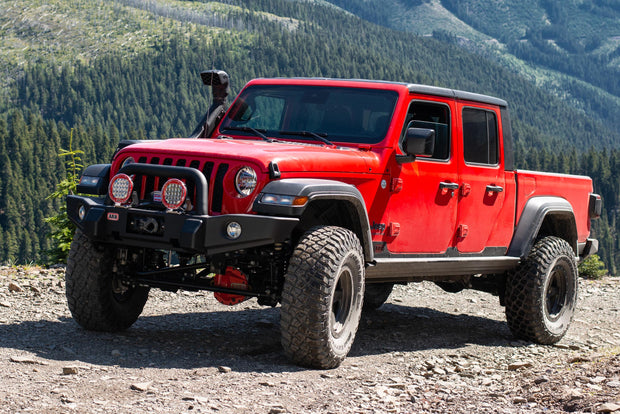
[146,225]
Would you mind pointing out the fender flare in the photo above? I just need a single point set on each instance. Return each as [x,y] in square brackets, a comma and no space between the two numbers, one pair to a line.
[536,210]
[317,189]
[97,182]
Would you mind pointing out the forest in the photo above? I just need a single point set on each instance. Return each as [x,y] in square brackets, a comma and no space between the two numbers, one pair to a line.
[155,92]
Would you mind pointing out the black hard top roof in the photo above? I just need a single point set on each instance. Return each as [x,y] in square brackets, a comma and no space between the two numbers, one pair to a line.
[418,88]
[454,93]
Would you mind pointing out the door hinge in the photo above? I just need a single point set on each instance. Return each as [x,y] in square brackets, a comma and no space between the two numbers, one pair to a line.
[393,229]
[462,231]
[465,189]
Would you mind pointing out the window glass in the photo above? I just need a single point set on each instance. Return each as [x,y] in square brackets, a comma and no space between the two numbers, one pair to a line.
[265,113]
[432,116]
[339,114]
[480,144]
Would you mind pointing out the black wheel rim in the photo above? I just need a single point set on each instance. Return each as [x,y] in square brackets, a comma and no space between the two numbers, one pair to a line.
[556,292]
[342,300]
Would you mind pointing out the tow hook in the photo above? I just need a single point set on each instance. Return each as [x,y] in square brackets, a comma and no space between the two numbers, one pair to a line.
[146,225]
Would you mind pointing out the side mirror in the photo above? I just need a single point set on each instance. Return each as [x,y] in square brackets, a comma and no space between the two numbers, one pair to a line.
[417,142]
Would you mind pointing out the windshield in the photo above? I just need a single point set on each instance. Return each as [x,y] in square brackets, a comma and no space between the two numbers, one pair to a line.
[336,114]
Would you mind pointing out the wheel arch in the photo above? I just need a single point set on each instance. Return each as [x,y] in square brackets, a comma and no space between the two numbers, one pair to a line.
[329,202]
[541,217]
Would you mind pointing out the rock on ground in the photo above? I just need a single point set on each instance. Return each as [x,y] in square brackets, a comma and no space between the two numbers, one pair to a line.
[424,351]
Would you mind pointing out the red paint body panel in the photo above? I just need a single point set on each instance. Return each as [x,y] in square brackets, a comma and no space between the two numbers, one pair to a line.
[489,216]
[574,189]
[427,214]
[409,212]
[294,160]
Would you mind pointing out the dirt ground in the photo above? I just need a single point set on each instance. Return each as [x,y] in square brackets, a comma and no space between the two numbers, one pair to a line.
[424,351]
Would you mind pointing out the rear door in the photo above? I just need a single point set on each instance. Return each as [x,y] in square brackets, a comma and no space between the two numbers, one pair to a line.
[484,220]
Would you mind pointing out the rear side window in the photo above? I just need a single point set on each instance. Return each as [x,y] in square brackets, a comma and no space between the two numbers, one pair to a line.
[480,144]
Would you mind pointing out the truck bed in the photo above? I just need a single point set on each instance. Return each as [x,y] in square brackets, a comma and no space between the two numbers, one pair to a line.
[573,188]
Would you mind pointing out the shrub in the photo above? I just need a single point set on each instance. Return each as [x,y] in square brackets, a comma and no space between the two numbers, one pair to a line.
[62,228]
[592,268]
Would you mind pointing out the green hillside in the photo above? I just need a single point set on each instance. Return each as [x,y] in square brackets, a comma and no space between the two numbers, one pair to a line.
[129,69]
[570,48]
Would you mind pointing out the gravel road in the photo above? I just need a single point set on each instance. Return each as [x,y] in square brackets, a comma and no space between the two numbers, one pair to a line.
[423,351]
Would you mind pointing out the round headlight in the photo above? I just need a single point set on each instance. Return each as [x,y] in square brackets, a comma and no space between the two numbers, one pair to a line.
[120,188]
[173,193]
[128,160]
[245,181]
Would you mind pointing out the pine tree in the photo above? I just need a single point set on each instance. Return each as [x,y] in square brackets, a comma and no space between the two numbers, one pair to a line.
[62,228]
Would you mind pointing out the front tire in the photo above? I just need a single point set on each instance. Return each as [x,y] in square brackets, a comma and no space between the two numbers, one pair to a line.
[322,297]
[97,299]
[541,294]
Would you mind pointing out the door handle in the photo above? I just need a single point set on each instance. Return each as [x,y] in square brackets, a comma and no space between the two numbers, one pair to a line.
[448,186]
[494,188]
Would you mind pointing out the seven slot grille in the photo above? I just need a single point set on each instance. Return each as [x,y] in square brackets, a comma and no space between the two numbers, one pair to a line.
[214,172]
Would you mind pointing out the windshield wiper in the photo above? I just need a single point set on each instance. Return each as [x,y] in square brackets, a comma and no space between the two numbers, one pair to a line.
[257,132]
[308,134]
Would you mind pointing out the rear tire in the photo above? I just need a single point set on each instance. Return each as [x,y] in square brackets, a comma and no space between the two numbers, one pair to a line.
[97,299]
[541,294]
[375,295]
[322,297]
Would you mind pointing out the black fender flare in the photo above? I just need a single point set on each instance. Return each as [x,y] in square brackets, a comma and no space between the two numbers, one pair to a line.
[98,179]
[317,189]
[536,210]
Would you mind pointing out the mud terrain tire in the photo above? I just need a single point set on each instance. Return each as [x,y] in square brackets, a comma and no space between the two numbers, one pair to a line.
[375,295]
[541,293]
[97,300]
[322,297]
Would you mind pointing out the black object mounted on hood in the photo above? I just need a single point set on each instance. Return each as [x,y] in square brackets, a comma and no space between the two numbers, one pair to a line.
[219,82]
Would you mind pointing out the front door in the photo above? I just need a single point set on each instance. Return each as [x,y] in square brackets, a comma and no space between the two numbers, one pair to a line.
[422,209]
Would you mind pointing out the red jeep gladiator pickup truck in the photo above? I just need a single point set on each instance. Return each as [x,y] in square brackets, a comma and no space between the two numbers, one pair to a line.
[320,195]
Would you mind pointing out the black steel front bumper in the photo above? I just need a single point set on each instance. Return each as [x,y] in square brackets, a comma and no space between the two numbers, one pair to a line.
[588,248]
[174,231]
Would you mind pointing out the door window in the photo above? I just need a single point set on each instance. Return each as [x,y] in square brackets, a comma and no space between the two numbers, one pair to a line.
[432,116]
[480,145]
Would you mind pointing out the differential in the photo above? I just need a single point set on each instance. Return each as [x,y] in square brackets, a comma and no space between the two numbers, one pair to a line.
[232,279]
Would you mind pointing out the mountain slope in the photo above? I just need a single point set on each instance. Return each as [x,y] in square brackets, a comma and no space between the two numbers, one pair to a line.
[569,48]
[99,71]
[299,41]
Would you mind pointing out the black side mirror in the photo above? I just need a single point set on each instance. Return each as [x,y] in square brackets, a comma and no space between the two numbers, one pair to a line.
[418,142]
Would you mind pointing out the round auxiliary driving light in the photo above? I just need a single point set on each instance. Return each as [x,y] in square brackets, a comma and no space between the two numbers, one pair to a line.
[233,230]
[120,188]
[245,181]
[173,193]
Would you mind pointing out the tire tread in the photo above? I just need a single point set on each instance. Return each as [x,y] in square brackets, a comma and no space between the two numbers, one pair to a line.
[304,320]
